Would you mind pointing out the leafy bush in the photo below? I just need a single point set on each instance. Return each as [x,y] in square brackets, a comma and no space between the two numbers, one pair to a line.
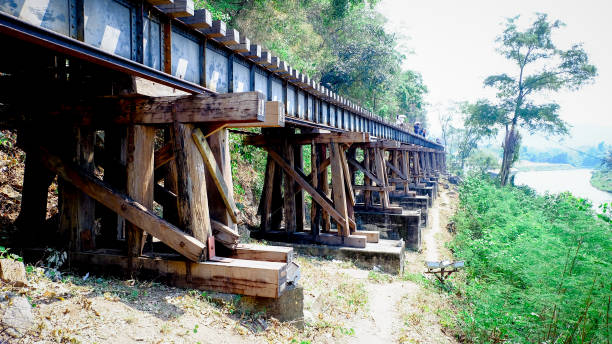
[539,267]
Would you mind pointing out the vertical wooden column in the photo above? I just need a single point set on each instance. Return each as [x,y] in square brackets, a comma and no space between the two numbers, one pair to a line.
[36,182]
[115,174]
[76,208]
[219,146]
[405,170]
[298,160]
[338,188]
[324,181]
[367,194]
[315,210]
[140,179]
[289,190]
[380,173]
[266,196]
[192,197]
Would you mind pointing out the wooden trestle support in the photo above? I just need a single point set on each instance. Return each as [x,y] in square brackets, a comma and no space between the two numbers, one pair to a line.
[387,167]
[123,160]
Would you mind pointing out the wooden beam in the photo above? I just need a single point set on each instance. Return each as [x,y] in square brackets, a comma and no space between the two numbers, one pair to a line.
[371,236]
[164,155]
[289,210]
[373,188]
[265,253]
[216,173]
[140,183]
[193,211]
[274,117]
[366,172]
[303,139]
[201,19]
[357,241]
[254,52]
[232,37]
[243,47]
[178,8]
[396,170]
[228,275]
[217,29]
[224,234]
[299,177]
[159,2]
[338,188]
[126,207]
[347,178]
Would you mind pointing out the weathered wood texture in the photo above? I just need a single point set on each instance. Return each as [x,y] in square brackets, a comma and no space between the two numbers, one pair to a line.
[126,207]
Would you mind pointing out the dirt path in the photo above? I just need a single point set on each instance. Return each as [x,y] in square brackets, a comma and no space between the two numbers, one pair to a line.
[402,311]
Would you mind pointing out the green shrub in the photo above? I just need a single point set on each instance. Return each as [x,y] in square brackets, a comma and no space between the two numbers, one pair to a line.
[539,268]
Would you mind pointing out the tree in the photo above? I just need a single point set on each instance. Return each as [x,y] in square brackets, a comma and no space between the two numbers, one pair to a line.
[445,125]
[540,67]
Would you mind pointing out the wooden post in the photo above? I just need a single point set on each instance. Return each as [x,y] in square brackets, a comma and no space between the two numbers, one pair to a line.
[36,182]
[299,196]
[77,209]
[380,173]
[266,195]
[406,170]
[289,190]
[367,194]
[324,181]
[115,174]
[315,210]
[140,180]
[338,188]
[193,211]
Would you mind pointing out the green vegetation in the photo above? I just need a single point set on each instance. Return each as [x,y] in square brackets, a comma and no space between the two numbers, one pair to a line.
[602,180]
[538,267]
[342,43]
[541,68]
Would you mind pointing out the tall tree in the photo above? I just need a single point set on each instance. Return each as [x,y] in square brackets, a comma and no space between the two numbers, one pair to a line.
[540,67]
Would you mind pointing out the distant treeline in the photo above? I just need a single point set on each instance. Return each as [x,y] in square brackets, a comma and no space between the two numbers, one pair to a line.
[585,156]
[341,43]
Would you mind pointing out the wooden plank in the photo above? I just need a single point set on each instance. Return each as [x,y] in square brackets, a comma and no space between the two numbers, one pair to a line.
[224,234]
[215,173]
[266,196]
[338,188]
[300,216]
[232,37]
[164,155]
[366,172]
[178,8]
[115,146]
[317,196]
[373,188]
[159,2]
[324,185]
[304,139]
[216,30]
[131,210]
[254,52]
[237,276]
[371,236]
[193,211]
[396,170]
[357,241]
[380,172]
[315,212]
[140,181]
[265,59]
[201,19]
[243,47]
[274,117]
[265,253]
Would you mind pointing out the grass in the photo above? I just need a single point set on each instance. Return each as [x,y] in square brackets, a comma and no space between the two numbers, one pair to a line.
[538,267]
[602,180]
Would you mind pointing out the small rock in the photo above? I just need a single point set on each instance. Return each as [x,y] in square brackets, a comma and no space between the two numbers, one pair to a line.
[18,316]
[13,272]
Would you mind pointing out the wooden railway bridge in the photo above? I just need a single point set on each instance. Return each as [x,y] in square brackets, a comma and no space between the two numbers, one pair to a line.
[128,102]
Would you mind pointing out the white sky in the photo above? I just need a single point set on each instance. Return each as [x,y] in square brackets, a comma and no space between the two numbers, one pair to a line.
[453,45]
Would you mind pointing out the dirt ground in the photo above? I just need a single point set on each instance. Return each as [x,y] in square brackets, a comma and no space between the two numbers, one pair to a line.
[342,304]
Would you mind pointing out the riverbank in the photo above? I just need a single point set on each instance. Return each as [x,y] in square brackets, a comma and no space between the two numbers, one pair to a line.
[602,180]
[538,267]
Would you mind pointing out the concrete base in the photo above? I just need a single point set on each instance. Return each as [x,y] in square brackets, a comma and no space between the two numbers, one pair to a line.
[406,226]
[414,203]
[287,308]
[425,191]
[388,255]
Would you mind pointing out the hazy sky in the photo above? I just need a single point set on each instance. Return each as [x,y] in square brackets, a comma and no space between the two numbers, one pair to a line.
[453,45]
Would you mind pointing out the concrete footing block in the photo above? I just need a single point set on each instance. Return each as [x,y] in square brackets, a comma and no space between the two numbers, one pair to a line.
[406,226]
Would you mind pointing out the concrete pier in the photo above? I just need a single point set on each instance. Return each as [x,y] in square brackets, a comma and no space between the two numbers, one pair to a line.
[406,226]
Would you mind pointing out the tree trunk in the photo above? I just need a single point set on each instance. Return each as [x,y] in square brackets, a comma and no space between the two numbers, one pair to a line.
[510,145]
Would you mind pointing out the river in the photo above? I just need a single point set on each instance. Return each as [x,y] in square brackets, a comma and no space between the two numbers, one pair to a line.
[575,181]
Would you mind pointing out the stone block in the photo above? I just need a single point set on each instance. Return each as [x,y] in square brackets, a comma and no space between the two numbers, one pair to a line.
[13,272]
